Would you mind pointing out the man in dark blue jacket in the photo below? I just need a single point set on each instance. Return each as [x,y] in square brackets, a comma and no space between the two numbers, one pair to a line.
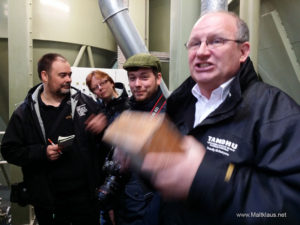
[242,153]
[138,204]
[60,181]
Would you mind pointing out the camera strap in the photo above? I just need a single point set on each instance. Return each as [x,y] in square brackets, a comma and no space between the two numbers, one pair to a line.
[146,185]
[158,105]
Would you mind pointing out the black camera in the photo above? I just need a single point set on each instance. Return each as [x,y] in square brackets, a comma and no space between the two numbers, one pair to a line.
[111,167]
[112,182]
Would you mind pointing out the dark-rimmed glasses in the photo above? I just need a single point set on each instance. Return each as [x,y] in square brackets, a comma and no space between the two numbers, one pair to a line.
[211,43]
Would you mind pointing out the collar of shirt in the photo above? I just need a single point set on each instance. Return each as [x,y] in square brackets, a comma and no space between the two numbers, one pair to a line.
[205,106]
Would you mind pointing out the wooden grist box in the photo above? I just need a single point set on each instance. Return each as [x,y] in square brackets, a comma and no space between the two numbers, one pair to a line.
[139,133]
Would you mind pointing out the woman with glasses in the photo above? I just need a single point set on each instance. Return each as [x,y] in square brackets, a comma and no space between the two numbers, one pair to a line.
[114,100]
[111,95]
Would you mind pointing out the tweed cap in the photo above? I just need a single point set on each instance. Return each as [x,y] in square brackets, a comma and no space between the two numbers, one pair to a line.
[143,60]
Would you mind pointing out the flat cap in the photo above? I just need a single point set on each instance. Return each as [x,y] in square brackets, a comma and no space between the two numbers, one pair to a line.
[143,60]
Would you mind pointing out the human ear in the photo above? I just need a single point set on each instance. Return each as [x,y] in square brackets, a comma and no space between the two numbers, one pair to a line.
[158,78]
[44,76]
[245,51]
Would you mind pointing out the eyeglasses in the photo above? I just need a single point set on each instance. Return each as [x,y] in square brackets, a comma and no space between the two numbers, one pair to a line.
[211,43]
[100,84]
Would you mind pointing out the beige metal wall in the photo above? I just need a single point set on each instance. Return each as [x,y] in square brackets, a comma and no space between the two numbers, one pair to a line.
[41,26]
[70,21]
[159,32]
[183,16]
[139,13]
[279,46]
[159,25]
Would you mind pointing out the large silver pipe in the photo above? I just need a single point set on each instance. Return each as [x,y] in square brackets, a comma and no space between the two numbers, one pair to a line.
[124,31]
[117,18]
[215,5]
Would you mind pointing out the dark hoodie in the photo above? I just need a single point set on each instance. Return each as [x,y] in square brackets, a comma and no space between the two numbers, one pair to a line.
[24,144]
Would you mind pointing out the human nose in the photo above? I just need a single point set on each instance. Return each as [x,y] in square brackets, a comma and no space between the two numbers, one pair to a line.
[98,87]
[203,49]
[69,79]
[137,82]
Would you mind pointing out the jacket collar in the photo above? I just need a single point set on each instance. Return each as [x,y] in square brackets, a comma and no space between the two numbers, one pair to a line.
[123,96]
[245,76]
[32,99]
[145,105]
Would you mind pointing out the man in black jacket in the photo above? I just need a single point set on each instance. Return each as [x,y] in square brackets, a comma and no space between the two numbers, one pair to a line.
[242,157]
[61,181]
[139,204]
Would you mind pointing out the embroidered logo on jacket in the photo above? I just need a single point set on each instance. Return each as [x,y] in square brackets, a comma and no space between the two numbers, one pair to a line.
[220,145]
[81,110]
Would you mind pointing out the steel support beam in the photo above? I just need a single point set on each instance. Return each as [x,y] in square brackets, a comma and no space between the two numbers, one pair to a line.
[91,58]
[286,43]
[20,77]
[250,13]
[79,56]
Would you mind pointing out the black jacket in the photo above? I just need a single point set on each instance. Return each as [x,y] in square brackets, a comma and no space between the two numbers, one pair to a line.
[24,144]
[138,204]
[147,106]
[256,130]
[117,105]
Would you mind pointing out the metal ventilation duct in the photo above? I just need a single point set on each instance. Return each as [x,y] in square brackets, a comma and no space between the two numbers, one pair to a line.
[124,31]
[213,5]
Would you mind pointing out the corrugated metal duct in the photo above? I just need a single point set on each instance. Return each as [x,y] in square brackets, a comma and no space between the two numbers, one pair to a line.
[124,31]
[122,27]
[213,5]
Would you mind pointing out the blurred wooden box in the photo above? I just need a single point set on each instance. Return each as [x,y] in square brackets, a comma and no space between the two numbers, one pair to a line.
[139,132]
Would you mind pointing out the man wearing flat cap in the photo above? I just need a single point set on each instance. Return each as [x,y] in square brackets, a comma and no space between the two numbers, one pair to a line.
[144,75]
[138,204]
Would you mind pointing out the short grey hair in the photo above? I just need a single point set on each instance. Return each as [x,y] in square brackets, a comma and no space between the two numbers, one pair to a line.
[242,28]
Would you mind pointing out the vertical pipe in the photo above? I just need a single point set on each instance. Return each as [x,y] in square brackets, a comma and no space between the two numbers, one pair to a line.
[124,31]
[119,22]
[250,13]
[215,5]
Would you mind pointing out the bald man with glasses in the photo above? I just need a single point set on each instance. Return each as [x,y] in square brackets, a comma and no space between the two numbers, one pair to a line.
[241,160]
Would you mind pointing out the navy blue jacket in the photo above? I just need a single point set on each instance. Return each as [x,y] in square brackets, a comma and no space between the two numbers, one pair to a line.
[138,204]
[255,131]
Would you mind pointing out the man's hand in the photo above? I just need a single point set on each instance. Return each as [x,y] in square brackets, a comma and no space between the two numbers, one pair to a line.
[53,152]
[96,123]
[173,173]
[123,159]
